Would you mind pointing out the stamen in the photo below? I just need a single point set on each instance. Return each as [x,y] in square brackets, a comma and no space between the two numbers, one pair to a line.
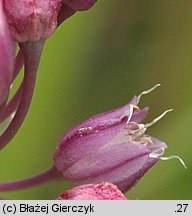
[147,91]
[175,157]
[158,118]
[130,112]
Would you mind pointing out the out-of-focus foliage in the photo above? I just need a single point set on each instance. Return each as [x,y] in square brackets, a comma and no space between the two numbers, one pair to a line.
[97,60]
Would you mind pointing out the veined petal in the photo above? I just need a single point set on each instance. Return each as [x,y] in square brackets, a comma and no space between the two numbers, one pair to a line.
[139,115]
[129,182]
[7,49]
[108,117]
[108,164]
[120,176]
[84,142]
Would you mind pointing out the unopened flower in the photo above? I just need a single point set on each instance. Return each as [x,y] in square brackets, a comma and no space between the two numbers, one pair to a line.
[79,5]
[32,20]
[111,147]
[69,7]
[100,191]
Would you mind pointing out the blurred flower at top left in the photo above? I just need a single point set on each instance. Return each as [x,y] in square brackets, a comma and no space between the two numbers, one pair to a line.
[7,48]
[29,23]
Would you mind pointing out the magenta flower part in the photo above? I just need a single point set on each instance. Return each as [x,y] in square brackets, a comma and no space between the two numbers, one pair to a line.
[32,20]
[30,23]
[111,147]
[79,5]
[7,52]
[100,191]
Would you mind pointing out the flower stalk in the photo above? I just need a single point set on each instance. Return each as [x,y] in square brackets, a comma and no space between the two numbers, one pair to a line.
[31,54]
[46,176]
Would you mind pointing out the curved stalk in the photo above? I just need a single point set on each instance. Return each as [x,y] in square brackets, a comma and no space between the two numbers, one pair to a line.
[18,64]
[12,105]
[46,176]
[31,54]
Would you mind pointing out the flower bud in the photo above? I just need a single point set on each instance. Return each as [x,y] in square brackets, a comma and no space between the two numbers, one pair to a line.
[32,20]
[100,191]
[79,5]
[7,49]
[110,147]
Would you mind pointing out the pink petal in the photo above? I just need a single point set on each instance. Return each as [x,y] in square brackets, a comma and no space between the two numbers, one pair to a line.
[83,143]
[108,117]
[129,182]
[108,161]
[139,115]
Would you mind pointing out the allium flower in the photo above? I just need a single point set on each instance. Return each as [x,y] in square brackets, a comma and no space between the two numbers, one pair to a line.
[30,23]
[110,147]
[100,191]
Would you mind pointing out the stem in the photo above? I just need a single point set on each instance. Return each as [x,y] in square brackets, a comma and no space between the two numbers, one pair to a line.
[18,64]
[12,105]
[31,53]
[46,176]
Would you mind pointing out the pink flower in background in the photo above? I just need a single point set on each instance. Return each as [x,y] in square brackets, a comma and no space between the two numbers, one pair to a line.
[32,20]
[7,51]
[100,191]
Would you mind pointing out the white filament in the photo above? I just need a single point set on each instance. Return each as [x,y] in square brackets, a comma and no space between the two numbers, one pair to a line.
[175,157]
[130,112]
[147,91]
[158,118]
[156,155]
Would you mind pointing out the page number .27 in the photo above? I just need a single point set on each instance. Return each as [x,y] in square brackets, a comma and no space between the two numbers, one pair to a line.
[181,208]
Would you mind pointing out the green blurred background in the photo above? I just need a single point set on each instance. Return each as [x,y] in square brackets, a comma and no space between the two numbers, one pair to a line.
[97,60]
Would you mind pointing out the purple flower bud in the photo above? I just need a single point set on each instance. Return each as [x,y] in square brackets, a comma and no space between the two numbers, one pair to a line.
[69,7]
[32,20]
[111,147]
[7,49]
[79,5]
[101,191]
